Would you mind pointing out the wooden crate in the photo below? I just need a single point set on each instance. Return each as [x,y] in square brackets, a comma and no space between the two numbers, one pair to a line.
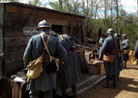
[100,69]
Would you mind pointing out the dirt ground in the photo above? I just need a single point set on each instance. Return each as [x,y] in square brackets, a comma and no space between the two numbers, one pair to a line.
[127,87]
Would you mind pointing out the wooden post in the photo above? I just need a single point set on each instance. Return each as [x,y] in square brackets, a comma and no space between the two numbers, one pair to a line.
[72,25]
[1,28]
[1,37]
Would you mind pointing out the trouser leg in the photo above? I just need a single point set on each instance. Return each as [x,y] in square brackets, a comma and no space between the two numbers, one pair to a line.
[74,90]
[33,94]
[47,94]
[108,74]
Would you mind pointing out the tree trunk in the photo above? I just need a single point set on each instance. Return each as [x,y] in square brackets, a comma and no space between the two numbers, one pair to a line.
[137,7]
[117,14]
[111,12]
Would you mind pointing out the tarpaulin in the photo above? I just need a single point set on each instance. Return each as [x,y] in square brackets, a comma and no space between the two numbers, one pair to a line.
[132,59]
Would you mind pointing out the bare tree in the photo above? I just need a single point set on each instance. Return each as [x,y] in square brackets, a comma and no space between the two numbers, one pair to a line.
[105,8]
[137,7]
[111,12]
[117,13]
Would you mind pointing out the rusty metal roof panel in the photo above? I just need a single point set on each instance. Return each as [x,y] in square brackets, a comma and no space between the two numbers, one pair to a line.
[40,8]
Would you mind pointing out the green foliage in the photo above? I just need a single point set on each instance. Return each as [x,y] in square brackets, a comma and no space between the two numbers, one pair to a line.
[123,23]
[66,6]
[132,31]
[35,2]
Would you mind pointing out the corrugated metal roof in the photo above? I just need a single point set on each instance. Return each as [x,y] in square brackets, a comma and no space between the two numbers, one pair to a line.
[40,8]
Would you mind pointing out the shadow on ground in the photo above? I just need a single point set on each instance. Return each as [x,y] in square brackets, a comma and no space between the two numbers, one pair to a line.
[126,86]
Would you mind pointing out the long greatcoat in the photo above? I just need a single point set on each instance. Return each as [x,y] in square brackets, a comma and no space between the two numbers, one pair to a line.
[125,45]
[33,50]
[108,46]
[69,72]
[119,60]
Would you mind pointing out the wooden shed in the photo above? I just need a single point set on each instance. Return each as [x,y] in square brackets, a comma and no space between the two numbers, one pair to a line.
[18,22]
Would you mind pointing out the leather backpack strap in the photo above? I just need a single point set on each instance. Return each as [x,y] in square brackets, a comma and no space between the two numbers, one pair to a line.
[45,45]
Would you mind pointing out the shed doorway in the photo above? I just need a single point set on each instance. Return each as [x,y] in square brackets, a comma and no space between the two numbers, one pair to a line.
[58,29]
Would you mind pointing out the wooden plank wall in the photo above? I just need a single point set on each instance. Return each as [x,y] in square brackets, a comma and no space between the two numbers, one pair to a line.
[1,29]
[15,41]
[1,40]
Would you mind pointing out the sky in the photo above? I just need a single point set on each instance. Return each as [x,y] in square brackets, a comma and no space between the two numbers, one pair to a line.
[130,6]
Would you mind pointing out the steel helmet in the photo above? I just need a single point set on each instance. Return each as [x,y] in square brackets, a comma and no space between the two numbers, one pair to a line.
[124,35]
[117,35]
[43,23]
[110,31]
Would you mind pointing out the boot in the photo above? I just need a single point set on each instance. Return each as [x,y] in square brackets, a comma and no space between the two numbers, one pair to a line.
[74,91]
[115,82]
[107,83]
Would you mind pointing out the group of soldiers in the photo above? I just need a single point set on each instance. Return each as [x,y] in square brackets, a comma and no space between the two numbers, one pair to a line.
[61,47]
[112,45]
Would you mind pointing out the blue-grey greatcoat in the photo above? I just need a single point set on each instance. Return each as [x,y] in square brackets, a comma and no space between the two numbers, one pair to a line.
[33,50]
[101,41]
[136,51]
[69,72]
[108,47]
[125,45]
[119,61]
[121,50]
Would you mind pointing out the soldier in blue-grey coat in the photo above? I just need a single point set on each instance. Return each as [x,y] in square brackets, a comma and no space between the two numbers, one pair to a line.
[110,68]
[46,82]
[69,72]
[101,41]
[120,58]
[136,52]
[125,45]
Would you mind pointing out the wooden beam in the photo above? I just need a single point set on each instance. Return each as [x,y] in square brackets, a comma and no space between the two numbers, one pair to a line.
[40,13]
